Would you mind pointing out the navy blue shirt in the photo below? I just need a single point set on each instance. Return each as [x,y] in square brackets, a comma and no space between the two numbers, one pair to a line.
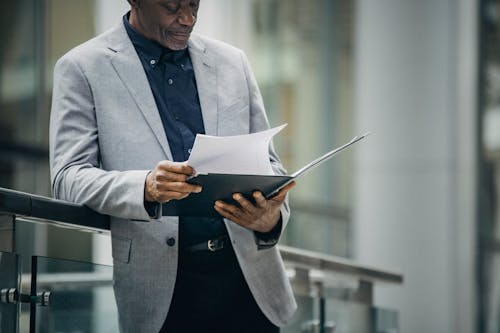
[171,78]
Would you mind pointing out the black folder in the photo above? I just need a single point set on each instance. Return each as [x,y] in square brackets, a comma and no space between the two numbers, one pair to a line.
[218,186]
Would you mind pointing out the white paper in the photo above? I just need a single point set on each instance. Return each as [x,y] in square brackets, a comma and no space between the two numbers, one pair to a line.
[240,154]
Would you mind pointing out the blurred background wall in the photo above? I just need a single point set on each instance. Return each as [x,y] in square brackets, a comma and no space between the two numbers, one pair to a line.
[419,196]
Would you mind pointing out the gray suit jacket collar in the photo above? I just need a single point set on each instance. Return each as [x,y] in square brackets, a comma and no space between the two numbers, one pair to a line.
[129,68]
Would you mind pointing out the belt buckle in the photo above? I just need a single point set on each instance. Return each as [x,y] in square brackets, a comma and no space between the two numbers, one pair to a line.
[215,244]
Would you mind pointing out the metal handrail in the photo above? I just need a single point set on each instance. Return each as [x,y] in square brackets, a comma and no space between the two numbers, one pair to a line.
[311,260]
[52,211]
[34,208]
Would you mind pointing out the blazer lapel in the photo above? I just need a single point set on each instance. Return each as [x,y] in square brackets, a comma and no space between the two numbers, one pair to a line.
[206,82]
[129,68]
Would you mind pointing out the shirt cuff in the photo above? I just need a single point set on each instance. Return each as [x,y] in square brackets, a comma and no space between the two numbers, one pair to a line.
[266,240]
[153,209]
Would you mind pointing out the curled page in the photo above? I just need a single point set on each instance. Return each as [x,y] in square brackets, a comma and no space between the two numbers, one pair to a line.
[240,154]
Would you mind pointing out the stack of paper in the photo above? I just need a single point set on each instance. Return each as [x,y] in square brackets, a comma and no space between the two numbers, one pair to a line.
[241,154]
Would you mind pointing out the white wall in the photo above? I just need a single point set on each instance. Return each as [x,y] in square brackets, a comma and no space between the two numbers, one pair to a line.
[414,204]
[226,20]
[108,13]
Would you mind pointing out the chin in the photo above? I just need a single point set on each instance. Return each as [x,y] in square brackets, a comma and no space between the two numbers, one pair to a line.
[174,44]
[176,47]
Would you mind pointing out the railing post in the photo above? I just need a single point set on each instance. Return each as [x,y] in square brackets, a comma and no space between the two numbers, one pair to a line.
[322,307]
[364,294]
[7,233]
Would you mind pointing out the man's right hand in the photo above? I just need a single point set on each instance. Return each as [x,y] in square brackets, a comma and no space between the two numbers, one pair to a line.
[167,182]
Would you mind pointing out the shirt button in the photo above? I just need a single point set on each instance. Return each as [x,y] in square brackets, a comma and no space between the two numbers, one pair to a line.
[170,81]
[171,241]
[152,62]
[189,151]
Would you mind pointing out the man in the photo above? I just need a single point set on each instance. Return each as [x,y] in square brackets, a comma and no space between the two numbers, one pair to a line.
[126,108]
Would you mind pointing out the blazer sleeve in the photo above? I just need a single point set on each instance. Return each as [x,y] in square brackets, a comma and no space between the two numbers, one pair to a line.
[76,175]
[259,122]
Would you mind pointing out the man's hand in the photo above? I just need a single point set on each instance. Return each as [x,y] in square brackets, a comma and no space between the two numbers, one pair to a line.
[167,182]
[261,217]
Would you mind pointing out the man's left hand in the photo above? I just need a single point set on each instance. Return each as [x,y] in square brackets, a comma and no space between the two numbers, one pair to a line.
[261,216]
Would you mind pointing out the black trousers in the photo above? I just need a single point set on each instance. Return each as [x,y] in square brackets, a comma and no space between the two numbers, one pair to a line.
[211,295]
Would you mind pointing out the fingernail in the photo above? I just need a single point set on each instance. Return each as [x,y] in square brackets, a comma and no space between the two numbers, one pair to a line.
[236,196]
[198,189]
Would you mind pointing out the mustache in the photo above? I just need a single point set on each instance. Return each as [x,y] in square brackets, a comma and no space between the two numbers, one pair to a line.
[180,31]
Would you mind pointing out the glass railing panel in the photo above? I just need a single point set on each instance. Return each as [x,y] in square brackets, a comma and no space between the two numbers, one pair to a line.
[79,297]
[354,317]
[9,290]
[305,318]
[348,317]
[386,320]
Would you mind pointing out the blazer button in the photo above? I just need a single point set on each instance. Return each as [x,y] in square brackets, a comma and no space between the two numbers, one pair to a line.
[171,241]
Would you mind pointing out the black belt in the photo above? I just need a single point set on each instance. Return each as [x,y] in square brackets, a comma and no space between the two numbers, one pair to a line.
[212,245]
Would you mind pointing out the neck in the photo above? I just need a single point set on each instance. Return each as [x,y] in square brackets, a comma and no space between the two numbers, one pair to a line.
[136,23]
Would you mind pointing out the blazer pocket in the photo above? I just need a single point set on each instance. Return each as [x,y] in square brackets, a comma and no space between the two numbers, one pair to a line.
[120,249]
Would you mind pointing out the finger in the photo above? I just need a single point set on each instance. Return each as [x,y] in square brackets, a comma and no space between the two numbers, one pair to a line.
[186,163]
[244,203]
[232,209]
[260,200]
[176,167]
[280,197]
[180,187]
[229,215]
[163,175]
[225,213]
[171,195]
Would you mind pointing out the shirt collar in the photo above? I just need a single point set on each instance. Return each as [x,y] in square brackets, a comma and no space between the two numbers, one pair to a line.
[153,51]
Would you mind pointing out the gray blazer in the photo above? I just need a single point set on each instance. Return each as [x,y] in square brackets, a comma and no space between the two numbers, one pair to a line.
[106,134]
